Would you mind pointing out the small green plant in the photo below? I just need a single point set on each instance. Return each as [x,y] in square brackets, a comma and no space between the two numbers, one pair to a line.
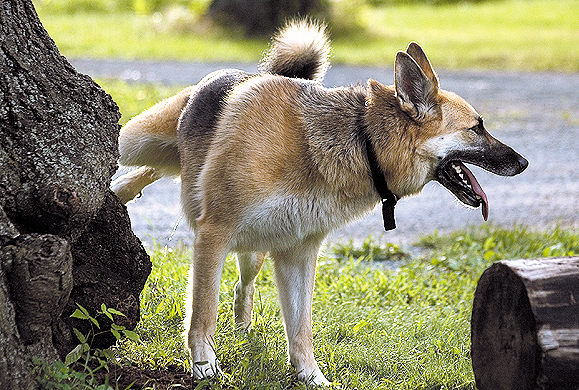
[78,371]
[59,376]
[83,349]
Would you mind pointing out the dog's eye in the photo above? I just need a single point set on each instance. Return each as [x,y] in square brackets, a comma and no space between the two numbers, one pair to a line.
[478,128]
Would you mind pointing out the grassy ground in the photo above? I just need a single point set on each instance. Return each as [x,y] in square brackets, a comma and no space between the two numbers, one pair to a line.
[509,34]
[536,34]
[134,98]
[374,328]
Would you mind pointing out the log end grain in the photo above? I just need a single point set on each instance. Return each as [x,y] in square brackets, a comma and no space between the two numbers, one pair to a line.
[505,351]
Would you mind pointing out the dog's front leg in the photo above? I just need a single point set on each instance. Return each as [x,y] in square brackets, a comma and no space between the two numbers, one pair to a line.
[295,271]
[208,258]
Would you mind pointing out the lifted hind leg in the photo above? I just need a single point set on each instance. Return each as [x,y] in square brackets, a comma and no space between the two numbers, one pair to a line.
[249,266]
[129,185]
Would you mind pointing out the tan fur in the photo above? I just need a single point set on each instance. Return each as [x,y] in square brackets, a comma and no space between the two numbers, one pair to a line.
[298,44]
[286,163]
[145,135]
[149,141]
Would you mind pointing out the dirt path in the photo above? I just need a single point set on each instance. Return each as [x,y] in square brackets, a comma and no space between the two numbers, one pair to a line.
[536,113]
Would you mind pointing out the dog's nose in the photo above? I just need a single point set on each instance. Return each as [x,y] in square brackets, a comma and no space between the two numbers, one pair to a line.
[523,163]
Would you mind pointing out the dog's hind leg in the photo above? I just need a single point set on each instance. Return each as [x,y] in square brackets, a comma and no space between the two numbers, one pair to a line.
[129,185]
[295,272]
[249,265]
[210,251]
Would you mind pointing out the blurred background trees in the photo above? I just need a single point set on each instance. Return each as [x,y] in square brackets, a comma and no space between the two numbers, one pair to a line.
[258,17]
[250,17]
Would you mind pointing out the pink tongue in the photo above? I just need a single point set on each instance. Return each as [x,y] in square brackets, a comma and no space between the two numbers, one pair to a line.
[477,190]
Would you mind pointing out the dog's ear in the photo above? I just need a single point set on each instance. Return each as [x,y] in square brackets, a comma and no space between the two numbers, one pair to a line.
[416,52]
[417,94]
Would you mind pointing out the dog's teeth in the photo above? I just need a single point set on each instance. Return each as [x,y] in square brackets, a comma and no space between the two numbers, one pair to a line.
[461,175]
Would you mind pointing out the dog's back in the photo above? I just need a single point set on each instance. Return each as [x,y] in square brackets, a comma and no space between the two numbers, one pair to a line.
[151,139]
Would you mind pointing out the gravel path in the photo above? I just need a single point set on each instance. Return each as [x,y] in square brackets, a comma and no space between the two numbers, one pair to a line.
[535,113]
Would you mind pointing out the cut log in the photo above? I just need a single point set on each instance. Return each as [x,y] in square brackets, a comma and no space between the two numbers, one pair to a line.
[525,325]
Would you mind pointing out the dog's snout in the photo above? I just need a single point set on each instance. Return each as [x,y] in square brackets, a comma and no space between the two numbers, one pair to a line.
[513,163]
[523,163]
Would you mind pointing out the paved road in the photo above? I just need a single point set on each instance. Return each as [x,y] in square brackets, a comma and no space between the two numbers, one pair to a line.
[536,113]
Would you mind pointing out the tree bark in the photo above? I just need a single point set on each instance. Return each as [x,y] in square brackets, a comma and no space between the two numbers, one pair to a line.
[525,325]
[64,237]
[261,17]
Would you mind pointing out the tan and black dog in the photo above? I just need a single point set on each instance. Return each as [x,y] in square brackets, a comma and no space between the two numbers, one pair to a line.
[273,162]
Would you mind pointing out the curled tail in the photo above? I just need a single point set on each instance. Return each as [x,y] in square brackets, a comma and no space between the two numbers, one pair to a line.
[301,49]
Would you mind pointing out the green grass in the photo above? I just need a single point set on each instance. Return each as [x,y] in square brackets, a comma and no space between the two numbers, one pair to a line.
[509,34]
[128,35]
[374,328]
[515,34]
[134,98]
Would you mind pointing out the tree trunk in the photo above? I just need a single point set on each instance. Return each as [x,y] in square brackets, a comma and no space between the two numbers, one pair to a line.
[261,17]
[525,325]
[64,237]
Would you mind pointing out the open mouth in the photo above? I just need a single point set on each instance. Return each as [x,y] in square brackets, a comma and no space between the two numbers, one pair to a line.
[459,180]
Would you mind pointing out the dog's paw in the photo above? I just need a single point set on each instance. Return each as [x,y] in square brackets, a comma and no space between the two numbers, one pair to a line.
[313,377]
[205,370]
[123,189]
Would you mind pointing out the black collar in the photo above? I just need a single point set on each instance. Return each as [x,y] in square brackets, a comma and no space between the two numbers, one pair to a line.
[389,200]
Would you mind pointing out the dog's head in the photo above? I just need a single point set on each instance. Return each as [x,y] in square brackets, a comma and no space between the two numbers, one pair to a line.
[446,132]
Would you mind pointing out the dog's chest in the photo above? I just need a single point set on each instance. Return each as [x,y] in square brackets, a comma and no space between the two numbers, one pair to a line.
[282,221]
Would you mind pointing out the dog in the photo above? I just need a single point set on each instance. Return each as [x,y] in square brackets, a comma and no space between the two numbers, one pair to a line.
[273,162]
